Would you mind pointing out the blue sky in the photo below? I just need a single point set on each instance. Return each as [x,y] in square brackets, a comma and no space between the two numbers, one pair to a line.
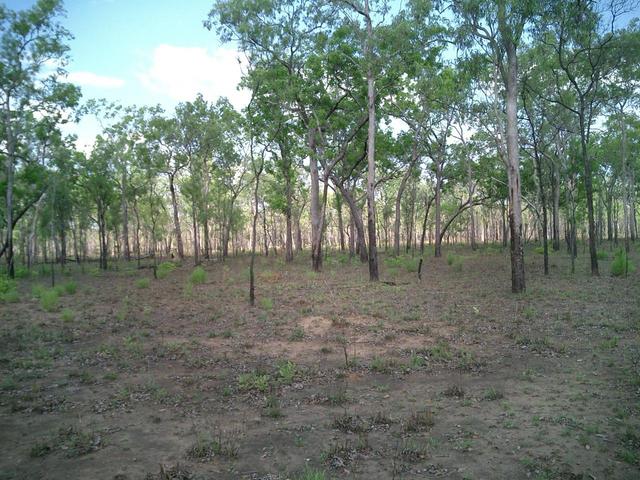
[145,52]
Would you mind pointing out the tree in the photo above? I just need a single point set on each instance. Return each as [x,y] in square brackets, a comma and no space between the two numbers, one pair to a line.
[498,28]
[29,40]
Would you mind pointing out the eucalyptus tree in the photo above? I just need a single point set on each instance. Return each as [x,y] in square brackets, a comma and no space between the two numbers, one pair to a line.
[582,38]
[197,134]
[30,92]
[279,38]
[497,29]
[161,134]
[97,178]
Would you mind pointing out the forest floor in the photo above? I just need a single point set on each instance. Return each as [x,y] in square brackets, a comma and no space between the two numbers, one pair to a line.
[329,376]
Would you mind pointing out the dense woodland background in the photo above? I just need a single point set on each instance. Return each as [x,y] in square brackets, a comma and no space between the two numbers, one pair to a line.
[371,127]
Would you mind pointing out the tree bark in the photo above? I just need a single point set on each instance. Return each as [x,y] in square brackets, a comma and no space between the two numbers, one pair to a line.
[316,213]
[513,171]
[371,150]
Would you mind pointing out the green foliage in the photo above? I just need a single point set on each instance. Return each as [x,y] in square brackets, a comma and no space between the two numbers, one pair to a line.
[621,265]
[297,334]
[8,290]
[602,255]
[312,474]
[50,300]
[286,371]
[70,287]
[254,381]
[266,303]
[402,262]
[164,269]
[455,261]
[143,283]
[67,315]
[539,250]
[198,276]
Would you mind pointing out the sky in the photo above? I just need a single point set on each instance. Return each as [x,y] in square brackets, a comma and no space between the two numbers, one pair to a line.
[145,52]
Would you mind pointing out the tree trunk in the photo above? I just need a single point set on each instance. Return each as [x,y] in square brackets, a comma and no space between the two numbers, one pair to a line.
[125,218]
[588,187]
[196,244]
[371,150]
[176,218]
[289,234]
[513,171]
[438,210]
[428,202]
[316,213]
[555,183]
[401,188]
[10,165]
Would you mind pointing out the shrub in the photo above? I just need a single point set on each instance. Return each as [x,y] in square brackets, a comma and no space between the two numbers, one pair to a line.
[198,276]
[164,269]
[539,250]
[22,272]
[50,300]
[142,283]
[602,255]
[12,296]
[253,381]
[6,284]
[67,315]
[455,261]
[37,290]
[621,264]
[286,371]
[266,303]
[70,287]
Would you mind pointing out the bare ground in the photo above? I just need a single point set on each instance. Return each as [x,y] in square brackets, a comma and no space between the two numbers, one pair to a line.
[451,377]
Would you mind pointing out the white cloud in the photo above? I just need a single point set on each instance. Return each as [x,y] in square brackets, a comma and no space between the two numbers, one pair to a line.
[182,72]
[89,79]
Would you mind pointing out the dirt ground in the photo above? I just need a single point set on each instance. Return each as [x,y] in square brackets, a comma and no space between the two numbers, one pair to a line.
[329,376]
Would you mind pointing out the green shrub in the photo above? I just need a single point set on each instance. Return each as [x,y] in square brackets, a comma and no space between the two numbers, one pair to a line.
[602,255]
[67,315]
[455,261]
[70,287]
[286,371]
[198,276]
[164,269]
[37,290]
[539,250]
[142,283]
[6,284]
[50,300]
[12,296]
[253,381]
[621,264]
[22,272]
